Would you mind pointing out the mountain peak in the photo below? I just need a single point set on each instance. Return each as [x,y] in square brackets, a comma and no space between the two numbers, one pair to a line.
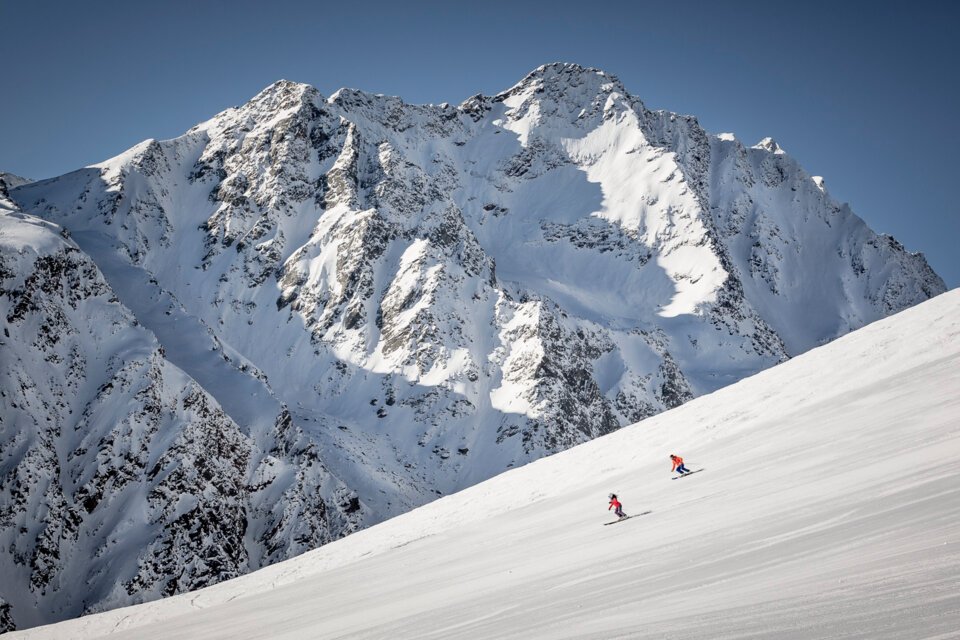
[769,144]
[347,96]
[283,95]
[283,86]
[566,75]
[570,69]
[277,100]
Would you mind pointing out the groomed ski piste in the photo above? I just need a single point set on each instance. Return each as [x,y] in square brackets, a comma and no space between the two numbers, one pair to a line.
[829,507]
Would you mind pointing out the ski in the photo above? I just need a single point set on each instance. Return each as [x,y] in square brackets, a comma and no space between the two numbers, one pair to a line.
[636,515]
[686,474]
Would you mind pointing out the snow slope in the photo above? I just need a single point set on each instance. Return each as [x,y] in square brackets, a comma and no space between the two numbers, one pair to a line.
[829,507]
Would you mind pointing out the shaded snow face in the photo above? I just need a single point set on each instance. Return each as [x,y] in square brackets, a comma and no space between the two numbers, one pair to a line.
[123,480]
[99,433]
[392,302]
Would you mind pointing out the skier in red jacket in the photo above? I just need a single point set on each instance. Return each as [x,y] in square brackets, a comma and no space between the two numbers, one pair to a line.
[678,465]
[616,506]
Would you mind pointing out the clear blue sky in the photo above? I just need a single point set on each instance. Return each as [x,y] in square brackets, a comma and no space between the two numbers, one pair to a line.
[862,93]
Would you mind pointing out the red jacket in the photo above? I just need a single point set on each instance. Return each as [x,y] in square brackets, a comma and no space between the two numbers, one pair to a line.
[614,503]
[677,461]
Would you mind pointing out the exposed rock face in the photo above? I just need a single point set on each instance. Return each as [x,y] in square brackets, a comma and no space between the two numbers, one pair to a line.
[363,304]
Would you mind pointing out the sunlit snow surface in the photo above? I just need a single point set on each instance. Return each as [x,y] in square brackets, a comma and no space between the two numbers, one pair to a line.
[829,507]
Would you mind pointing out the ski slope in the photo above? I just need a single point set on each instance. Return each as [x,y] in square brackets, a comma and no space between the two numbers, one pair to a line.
[829,507]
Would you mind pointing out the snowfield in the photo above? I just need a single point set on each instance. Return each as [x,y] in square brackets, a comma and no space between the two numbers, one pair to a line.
[828,507]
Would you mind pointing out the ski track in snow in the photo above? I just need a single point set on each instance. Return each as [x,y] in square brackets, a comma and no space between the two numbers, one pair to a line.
[831,509]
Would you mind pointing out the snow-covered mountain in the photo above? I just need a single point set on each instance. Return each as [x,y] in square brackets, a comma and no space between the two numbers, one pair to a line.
[828,507]
[390,302]
[123,480]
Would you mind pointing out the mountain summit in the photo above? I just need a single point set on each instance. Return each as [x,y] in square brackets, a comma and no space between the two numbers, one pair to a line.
[360,304]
